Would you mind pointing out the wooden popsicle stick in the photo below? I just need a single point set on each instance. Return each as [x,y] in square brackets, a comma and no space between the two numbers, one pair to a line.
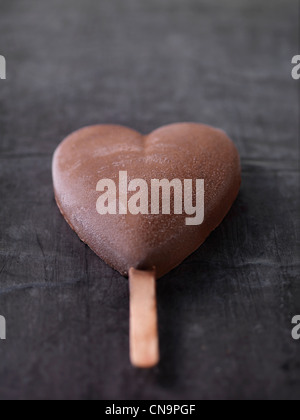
[144,343]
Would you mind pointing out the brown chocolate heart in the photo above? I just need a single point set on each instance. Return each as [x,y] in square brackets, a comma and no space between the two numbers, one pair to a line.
[179,151]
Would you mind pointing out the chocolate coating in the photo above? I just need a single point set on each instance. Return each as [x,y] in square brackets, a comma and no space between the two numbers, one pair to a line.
[184,151]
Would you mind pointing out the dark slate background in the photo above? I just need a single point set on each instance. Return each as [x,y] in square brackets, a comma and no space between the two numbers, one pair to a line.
[225,314]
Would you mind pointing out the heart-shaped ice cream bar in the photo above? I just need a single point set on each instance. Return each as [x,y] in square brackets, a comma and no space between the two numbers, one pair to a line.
[108,183]
[179,151]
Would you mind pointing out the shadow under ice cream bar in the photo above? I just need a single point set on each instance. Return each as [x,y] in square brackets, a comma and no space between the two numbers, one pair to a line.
[145,244]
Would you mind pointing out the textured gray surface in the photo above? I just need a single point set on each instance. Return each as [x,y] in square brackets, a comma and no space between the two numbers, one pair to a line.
[225,314]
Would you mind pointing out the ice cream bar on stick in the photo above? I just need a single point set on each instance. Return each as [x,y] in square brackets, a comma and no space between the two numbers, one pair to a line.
[145,203]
